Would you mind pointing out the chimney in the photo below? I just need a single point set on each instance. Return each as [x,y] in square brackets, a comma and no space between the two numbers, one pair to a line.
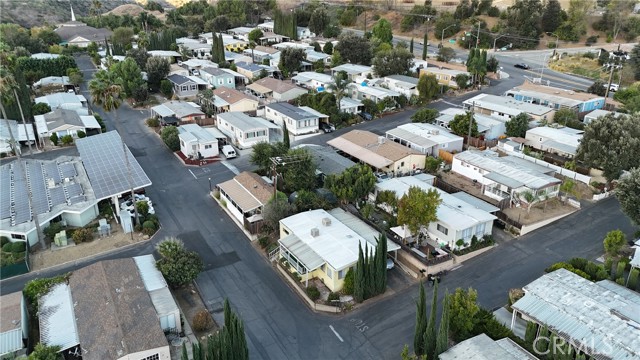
[315,232]
[326,221]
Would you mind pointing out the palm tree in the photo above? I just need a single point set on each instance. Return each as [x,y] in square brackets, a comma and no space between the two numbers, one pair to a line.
[143,40]
[105,93]
[341,80]
[8,87]
[144,20]
[529,198]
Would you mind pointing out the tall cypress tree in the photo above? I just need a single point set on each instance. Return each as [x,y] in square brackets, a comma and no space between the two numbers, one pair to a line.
[382,242]
[411,46]
[530,333]
[221,48]
[285,137]
[430,336]
[421,322]
[371,270]
[194,351]
[442,342]
[424,47]
[358,288]
[184,355]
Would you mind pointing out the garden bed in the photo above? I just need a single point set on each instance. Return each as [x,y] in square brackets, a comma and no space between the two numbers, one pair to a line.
[191,303]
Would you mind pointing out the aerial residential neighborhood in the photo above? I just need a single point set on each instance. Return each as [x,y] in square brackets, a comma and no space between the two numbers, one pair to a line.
[231,179]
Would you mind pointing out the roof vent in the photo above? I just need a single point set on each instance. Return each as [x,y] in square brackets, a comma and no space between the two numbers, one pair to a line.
[315,232]
[381,139]
[326,221]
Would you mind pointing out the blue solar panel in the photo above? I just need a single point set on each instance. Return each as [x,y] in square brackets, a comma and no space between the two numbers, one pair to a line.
[57,196]
[21,209]
[67,170]
[39,198]
[5,192]
[74,190]
[52,172]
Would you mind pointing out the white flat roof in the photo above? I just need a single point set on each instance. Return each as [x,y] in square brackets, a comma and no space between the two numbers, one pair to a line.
[602,316]
[375,91]
[311,75]
[507,105]
[57,318]
[197,132]
[245,122]
[453,211]
[559,139]
[482,347]
[426,135]
[352,68]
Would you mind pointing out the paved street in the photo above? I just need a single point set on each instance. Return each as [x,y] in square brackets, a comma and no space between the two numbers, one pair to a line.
[278,324]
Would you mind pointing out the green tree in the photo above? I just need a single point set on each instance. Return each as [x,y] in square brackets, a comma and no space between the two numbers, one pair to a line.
[442,341]
[411,46]
[611,144]
[565,116]
[328,48]
[336,58]
[44,352]
[380,264]
[352,184]
[425,115]
[140,56]
[166,88]
[300,174]
[518,125]
[54,139]
[421,322]
[75,76]
[178,265]
[122,37]
[285,137]
[530,333]
[170,137]
[598,88]
[128,75]
[463,309]
[290,60]
[613,243]
[430,335]
[445,54]
[319,21]
[382,31]
[184,355]
[157,69]
[460,125]
[462,81]
[339,86]
[428,87]
[264,151]
[255,35]
[360,277]
[628,193]
[425,42]
[632,281]
[396,61]
[418,208]
[493,64]
[552,16]
[354,49]
[349,282]
[523,20]
[40,108]
[446,23]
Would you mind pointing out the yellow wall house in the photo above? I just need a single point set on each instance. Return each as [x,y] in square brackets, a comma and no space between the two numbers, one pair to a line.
[445,77]
[324,245]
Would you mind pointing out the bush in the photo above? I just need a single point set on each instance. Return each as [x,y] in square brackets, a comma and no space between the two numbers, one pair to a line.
[166,88]
[82,235]
[620,281]
[103,127]
[53,228]
[142,207]
[347,287]
[149,228]
[4,240]
[152,122]
[591,40]
[263,241]
[153,218]
[564,265]
[202,321]
[493,11]
[620,270]
[54,139]
[36,288]
[170,137]
[579,263]
[81,134]
[18,247]
[589,55]
[313,292]
[6,248]
[332,297]
[66,140]
[633,279]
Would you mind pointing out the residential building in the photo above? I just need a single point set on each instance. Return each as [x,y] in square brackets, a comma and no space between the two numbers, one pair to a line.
[44,56]
[299,121]
[276,90]
[242,32]
[113,294]
[295,45]
[426,138]
[14,324]
[599,319]
[350,106]
[262,53]
[196,49]
[233,100]
[313,56]
[63,100]
[507,107]
[507,177]
[53,84]
[196,142]
[216,77]
[327,160]
[250,70]
[266,26]
[600,113]
[176,112]
[563,141]
[482,347]
[65,122]
[374,93]
[457,219]
[271,38]
[196,64]
[511,144]
[75,33]
[234,44]
[556,98]
[236,57]
[21,133]
[491,127]
[325,244]
[304,33]
[246,195]
[378,152]
[184,86]
[446,77]
[405,85]
[245,131]
[356,73]
[314,81]
[170,55]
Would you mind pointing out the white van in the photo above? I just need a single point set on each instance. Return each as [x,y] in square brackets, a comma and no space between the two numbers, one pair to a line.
[229,152]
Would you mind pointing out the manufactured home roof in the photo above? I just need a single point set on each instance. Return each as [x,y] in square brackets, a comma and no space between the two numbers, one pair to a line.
[248,190]
[371,148]
[177,108]
[474,201]
[290,111]
[604,315]
[376,91]
[327,160]
[11,324]
[557,92]
[482,347]
[231,96]
[268,84]
[425,135]
[560,139]
[155,284]
[507,105]
[352,69]
[197,132]
[404,78]
[57,319]
[245,122]
[311,75]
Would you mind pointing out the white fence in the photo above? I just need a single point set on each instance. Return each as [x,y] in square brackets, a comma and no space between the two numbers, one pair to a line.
[560,170]
[597,197]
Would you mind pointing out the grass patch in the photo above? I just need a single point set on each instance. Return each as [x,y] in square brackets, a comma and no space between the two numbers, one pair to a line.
[579,65]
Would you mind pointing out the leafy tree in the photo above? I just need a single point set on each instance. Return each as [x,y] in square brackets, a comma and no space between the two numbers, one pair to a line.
[44,352]
[430,335]
[411,46]
[463,308]
[445,54]
[418,208]
[336,58]
[523,19]
[264,151]
[140,56]
[328,48]
[425,42]
[416,16]
[339,87]
[613,243]
[428,87]
[369,106]
[518,125]
[382,31]
[319,21]
[630,97]
[460,125]
[634,61]
[352,184]
[462,81]
[166,88]
[40,108]
[290,60]
[128,75]
[598,88]
[628,193]
[397,61]
[552,16]
[530,333]
[170,137]
[421,322]
[54,139]
[348,17]
[442,341]
[255,35]
[493,64]
[565,116]
[425,115]
[354,49]
[275,210]
[348,285]
[178,265]
[122,37]
[611,144]
[157,69]
[75,76]
[299,174]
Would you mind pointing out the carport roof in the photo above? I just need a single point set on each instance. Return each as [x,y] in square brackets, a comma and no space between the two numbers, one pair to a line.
[303,252]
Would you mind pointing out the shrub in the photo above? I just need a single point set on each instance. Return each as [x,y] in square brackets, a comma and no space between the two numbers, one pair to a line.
[223,203]
[142,207]
[202,321]
[66,140]
[633,279]
[36,288]
[620,270]
[4,240]
[170,137]
[579,263]
[54,139]
[493,11]
[53,228]
[153,218]
[149,227]
[564,265]
[103,127]
[18,247]
[81,134]
[313,292]
[166,88]
[152,122]
[178,265]
[332,297]
[347,287]
[82,235]
[620,281]
[6,248]
[263,241]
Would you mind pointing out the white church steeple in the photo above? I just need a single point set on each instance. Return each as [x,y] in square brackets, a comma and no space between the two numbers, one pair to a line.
[73,16]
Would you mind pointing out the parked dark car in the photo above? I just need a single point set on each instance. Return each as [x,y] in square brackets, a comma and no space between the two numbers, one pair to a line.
[522,66]
[366,116]
[327,128]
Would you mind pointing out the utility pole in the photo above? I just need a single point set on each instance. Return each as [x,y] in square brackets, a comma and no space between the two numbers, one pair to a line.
[473,105]
[478,36]
[606,94]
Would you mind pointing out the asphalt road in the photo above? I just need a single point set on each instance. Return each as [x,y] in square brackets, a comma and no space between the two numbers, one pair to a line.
[277,323]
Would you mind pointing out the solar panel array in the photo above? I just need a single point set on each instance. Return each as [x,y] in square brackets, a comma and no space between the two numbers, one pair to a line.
[39,198]
[57,196]
[68,170]
[73,190]
[104,160]
[52,172]
[5,192]
[21,211]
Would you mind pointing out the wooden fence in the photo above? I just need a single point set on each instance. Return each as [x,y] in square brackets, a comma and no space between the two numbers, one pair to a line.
[445,186]
[480,143]
[445,156]
[202,122]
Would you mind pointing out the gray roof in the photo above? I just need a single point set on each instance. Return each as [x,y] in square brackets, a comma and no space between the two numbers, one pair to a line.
[68,33]
[215,71]
[56,318]
[404,78]
[474,201]
[245,122]
[248,66]
[197,132]
[507,105]
[60,117]
[179,79]
[601,318]
[327,160]
[482,347]
[12,310]
[103,157]
[176,108]
[291,111]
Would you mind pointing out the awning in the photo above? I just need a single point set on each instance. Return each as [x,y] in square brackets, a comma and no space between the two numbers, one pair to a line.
[360,153]
[303,252]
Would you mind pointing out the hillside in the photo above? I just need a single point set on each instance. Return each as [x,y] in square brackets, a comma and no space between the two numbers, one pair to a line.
[30,13]
[135,10]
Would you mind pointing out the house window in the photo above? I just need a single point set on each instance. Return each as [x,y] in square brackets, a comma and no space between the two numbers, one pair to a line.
[194,87]
[229,81]
[443,229]
[220,81]
[18,236]
[466,233]
[402,164]
[184,88]
[181,143]
[207,147]
[329,272]
[341,274]
[155,356]
[480,229]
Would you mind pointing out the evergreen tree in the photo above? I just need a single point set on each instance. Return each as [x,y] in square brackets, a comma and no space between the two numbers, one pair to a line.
[530,333]
[358,289]
[194,351]
[430,335]
[542,344]
[442,342]
[421,322]
[424,47]
[381,250]
[411,46]
[285,137]
[370,289]
[184,355]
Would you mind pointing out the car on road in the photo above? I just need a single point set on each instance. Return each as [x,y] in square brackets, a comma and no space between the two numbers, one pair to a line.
[522,66]
[366,116]
[327,128]
[614,87]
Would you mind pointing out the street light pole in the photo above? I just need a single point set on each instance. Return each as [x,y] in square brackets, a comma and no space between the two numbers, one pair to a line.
[443,30]
[210,185]
[496,39]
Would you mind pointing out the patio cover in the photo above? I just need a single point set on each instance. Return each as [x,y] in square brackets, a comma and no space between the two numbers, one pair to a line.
[360,153]
[239,195]
[303,252]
